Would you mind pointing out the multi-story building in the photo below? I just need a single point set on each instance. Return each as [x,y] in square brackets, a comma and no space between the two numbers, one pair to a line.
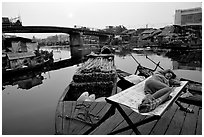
[191,16]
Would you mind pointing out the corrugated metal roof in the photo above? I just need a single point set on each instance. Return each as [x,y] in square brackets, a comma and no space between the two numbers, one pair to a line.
[156,32]
[18,39]
[12,56]
[148,31]
[130,31]
[164,33]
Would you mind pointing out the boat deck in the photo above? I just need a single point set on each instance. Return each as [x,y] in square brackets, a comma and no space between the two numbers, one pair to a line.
[80,117]
[173,122]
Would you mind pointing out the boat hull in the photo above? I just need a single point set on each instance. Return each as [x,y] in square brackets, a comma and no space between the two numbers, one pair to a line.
[80,117]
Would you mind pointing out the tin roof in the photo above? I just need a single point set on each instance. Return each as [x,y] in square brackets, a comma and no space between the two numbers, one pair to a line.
[148,31]
[12,56]
[18,39]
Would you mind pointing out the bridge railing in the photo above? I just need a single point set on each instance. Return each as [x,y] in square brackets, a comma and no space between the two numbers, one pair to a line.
[88,28]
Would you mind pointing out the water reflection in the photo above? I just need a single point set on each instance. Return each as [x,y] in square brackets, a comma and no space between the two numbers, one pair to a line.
[186,66]
[26,81]
[30,82]
[181,59]
[184,59]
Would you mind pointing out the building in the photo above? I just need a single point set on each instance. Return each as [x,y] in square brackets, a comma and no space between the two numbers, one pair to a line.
[191,17]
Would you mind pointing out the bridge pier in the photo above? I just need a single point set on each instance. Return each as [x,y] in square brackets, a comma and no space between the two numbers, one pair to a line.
[77,47]
[78,50]
[103,40]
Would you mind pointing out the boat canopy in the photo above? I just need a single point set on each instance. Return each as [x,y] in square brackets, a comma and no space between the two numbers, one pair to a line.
[12,56]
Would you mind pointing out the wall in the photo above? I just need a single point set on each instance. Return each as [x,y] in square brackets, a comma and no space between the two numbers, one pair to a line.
[191,16]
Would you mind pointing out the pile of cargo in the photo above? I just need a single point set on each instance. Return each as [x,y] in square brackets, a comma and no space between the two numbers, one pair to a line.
[96,76]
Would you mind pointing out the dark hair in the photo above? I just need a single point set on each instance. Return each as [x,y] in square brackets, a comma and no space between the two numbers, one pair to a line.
[170,71]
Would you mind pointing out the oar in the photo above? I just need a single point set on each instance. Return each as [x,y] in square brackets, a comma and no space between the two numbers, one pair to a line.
[135,59]
[155,63]
[152,70]
[137,63]
[163,69]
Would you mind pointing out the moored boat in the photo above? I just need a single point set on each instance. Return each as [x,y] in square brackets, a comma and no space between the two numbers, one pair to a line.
[21,55]
[82,107]
[84,115]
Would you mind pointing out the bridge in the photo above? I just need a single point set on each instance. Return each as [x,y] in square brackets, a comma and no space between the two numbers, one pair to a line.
[75,35]
[52,29]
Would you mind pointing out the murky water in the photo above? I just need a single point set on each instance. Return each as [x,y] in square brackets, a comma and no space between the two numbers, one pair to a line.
[32,111]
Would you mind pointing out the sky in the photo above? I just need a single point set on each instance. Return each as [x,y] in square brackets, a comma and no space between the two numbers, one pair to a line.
[92,14]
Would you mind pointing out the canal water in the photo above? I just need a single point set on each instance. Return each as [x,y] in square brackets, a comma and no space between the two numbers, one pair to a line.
[32,111]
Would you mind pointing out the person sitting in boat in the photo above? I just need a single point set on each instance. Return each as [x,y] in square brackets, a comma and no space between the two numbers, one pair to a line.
[105,50]
[157,90]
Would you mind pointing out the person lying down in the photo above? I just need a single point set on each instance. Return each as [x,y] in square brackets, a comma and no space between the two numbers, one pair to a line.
[157,90]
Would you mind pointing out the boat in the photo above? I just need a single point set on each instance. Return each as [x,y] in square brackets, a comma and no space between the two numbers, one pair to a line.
[193,89]
[21,55]
[82,106]
[81,110]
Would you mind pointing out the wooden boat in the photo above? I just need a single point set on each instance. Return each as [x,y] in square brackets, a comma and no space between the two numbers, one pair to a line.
[37,63]
[26,69]
[22,55]
[81,116]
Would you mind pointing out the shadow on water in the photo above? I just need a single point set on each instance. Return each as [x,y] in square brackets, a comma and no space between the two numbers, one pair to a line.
[185,59]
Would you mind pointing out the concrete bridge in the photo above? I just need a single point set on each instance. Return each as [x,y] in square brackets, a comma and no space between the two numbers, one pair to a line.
[76,41]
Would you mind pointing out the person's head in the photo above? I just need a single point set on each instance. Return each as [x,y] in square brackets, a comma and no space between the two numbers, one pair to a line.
[169,74]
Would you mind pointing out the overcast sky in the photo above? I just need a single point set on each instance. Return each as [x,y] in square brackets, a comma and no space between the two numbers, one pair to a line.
[96,14]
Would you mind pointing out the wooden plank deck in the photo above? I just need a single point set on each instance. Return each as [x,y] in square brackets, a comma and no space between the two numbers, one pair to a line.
[79,117]
[173,122]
